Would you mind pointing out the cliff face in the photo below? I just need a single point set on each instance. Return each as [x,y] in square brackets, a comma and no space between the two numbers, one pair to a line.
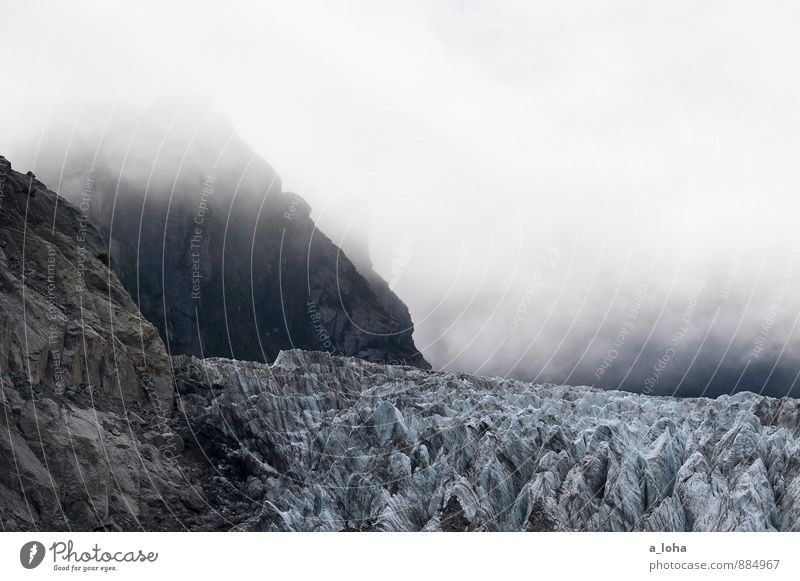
[80,461]
[222,260]
[248,278]
[65,319]
[71,340]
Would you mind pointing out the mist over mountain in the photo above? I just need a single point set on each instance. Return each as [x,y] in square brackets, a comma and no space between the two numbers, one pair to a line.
[517,175]
[150,175]
[212,250]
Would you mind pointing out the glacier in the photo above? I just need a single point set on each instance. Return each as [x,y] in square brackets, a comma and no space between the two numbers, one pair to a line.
[332,443]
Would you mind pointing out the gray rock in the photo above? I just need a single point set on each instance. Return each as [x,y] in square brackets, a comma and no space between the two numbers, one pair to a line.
[65,318]
[168,443]
[193,499]
[64,470]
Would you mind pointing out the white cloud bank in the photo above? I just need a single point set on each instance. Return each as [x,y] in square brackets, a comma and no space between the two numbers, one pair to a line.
[472,143]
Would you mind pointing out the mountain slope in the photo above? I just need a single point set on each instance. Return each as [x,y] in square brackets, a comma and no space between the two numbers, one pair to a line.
[217,255]
[72,342]
[65,319]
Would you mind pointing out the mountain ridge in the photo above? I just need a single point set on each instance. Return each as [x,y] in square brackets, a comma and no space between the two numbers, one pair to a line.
[217,255]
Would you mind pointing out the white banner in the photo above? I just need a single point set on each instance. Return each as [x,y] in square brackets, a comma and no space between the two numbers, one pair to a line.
[386,556]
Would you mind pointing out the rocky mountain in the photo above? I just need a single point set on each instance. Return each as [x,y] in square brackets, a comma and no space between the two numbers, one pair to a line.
[216,254]
[65,318]
[71,338]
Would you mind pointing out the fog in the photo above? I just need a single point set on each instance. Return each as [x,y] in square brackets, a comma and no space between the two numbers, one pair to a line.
[592,193]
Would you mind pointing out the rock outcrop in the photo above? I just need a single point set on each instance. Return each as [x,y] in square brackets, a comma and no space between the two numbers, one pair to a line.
[80,461]
[321,443]
[65,319]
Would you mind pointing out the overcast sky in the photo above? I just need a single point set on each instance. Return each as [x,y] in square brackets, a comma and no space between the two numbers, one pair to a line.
[520,170]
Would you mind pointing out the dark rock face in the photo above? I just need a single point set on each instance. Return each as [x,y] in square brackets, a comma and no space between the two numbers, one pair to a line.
[72,462]
[227,264]
[65,319]
[253,278]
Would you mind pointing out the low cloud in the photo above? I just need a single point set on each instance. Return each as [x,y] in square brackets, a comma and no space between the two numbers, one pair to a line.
[574,194]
